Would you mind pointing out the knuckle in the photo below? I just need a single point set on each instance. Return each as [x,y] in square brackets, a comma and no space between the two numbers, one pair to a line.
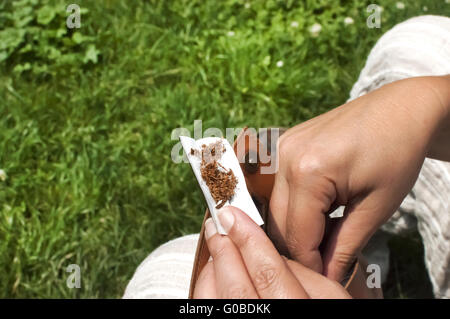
[238,293]
[242,237]
[293,245]
[298,252]
[283,148]
[265,277]
[342,264]
[344,258]
[219,252]
[307,165]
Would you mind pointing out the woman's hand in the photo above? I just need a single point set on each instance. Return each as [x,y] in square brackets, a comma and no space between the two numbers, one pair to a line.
[245,264]
[365,155]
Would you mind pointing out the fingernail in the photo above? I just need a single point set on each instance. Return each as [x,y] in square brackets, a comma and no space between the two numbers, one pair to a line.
[210,228]
[226,218]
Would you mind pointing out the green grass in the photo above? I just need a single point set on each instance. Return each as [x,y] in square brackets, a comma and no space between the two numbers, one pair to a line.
[408,277]
[86,118]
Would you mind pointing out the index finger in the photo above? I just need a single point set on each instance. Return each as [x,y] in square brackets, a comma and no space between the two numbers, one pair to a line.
[231,277]
[268,271]
[309,200]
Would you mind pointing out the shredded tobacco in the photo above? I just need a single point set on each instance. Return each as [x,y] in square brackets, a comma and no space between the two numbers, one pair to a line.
[220,181]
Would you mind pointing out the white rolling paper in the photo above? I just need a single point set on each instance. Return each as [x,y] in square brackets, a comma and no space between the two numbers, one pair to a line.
[241,198]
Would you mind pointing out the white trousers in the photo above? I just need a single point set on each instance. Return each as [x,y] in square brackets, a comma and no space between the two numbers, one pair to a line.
[417,47]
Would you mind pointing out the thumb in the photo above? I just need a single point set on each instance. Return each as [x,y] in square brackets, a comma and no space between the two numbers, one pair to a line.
[350,234]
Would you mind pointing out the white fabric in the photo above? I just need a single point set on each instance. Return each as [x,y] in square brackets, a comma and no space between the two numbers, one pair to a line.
[166,272]
[418,46]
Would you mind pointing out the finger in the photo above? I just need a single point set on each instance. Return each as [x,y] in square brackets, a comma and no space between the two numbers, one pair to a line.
[205,287]
[270,275]
[231,277]
[276,220]
[351,234]
[316,285]
[310,198]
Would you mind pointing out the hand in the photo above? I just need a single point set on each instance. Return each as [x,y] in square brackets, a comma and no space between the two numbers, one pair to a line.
[365,155]
[245,264]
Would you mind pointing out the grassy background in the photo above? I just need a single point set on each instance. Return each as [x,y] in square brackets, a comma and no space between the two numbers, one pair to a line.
[86,118]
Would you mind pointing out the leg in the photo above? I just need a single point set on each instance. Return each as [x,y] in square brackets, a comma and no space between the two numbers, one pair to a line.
[166,272]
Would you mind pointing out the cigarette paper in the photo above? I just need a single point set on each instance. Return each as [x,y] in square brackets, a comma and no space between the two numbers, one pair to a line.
[241,198]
